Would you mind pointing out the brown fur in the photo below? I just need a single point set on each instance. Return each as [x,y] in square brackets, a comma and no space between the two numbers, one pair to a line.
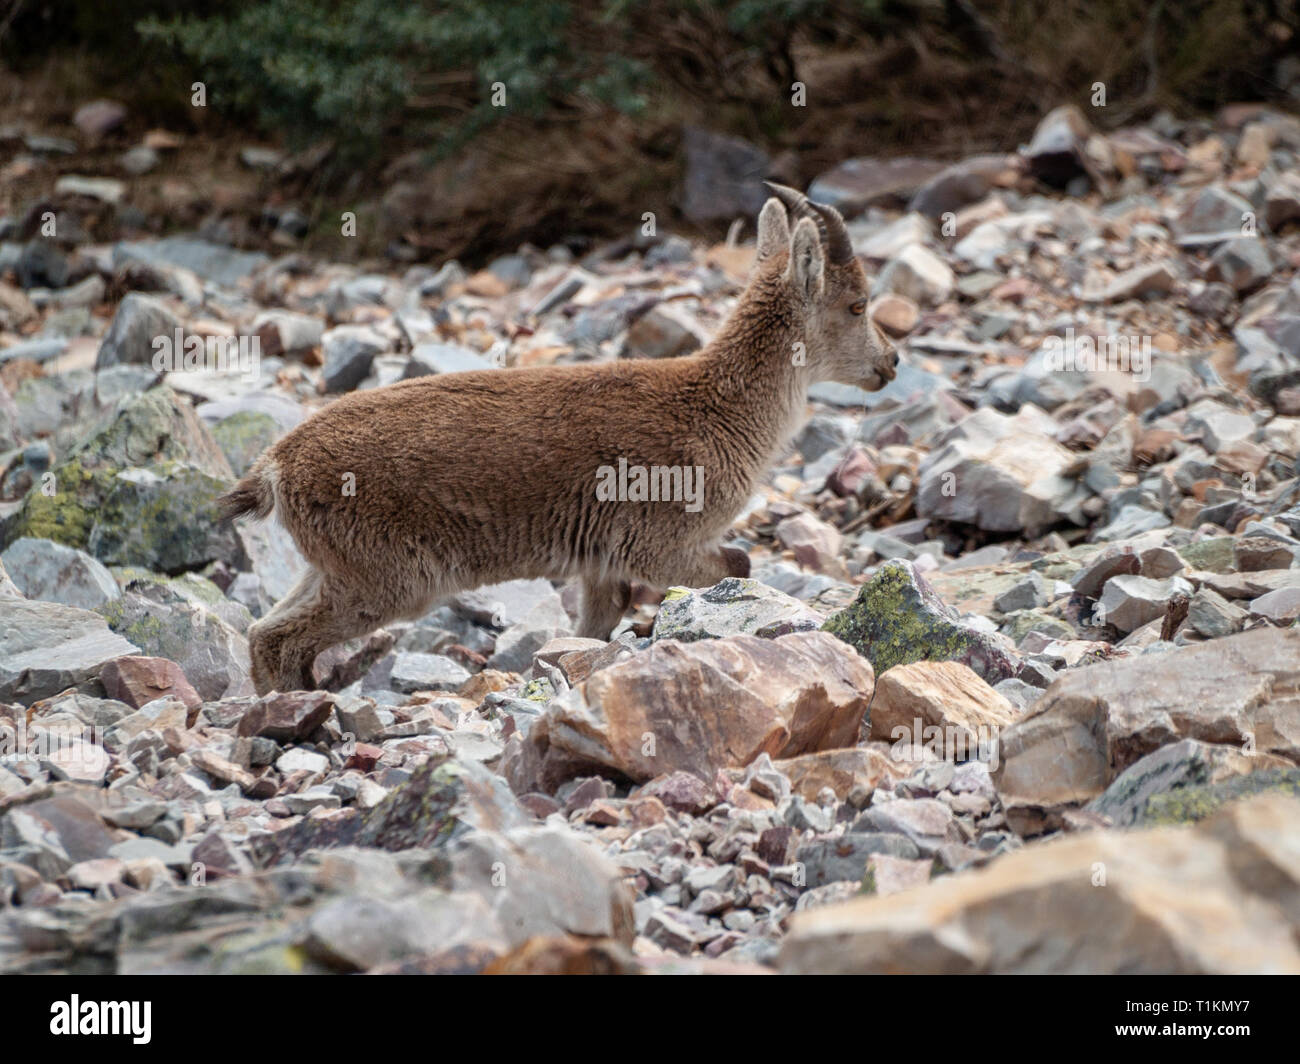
[473,478]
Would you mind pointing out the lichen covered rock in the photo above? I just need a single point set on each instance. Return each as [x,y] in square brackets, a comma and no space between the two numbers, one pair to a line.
[733,606]
[898,618]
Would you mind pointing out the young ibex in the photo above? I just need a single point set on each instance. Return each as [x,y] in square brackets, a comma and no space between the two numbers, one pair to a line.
[473,478]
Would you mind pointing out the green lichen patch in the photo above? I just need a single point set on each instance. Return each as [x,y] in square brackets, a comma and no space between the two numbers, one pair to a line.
[1023,622]
[1187,805]
[243,436]
[1212,555]
[897,618]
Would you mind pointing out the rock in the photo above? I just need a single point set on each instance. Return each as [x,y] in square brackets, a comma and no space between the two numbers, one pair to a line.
[139,680]
[300,759]
[1214,215]
[154,717]
[99,117]
[1030,593]
[218,263]
[1213,616]
[884,242]
[918,274]
[1214,301]
[46,647]
[734,606]
[137,323]
[51,572]
[1128,602]
[1173,901]
[163,623]
[155,432]
[1168,769]
[665,331]
[243,436]
[898,618]
[542,880]
[926,821]
[96,874]
[856,184]
[992,471]
[103,189]
[816,545]
[1244,264]
[286,717]
[836,859]
[680,791]
[441,803]
[1197,801]
[427,672]
[724,177]
[443,358]
[283,332]
[1057,152]
[892,875]
[139,160]
[348,351]
[1093,722]
[1156,279]
[895,314]
[57,833]
[962,184]
[505,604]
[1282,200]
[1254,554]
[1279,607]
[357,934]
[840,771]
[516,647]
[665,710]
[165,521]
[941,705]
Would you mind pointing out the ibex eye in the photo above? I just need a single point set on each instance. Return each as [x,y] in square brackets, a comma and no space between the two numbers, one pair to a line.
[860,307]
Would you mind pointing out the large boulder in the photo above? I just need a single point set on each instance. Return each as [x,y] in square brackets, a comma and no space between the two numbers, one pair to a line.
[140,319]
[164,622]
[1147,790]
[140,490]
[898,618]
[1000,473]
[46,647]
[734,606]
[1223,898]
[51,572]
[724,176]
[941,705]
[1094,722]
[698,707]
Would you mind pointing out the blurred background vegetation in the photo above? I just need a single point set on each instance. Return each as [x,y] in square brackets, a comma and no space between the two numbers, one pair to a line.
[598,91]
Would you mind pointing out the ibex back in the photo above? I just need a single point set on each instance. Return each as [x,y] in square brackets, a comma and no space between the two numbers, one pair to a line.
[404,495]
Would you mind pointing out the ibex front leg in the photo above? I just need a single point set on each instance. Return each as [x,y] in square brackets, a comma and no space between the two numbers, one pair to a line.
[604,600]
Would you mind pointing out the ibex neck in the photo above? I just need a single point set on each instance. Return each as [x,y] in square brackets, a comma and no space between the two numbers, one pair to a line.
[758,365]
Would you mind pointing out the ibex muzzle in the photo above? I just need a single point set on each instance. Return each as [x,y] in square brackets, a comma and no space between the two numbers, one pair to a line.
[402,496]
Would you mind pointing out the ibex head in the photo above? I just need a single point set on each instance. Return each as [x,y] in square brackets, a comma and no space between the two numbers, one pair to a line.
[831,286]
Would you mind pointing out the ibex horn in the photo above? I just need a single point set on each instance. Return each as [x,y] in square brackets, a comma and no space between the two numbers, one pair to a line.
[829,221]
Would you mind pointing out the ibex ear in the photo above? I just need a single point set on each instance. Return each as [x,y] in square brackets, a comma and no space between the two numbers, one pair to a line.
[773,229]
[807,264]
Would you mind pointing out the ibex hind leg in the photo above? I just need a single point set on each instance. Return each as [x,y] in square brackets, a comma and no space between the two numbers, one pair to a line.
[312,617]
